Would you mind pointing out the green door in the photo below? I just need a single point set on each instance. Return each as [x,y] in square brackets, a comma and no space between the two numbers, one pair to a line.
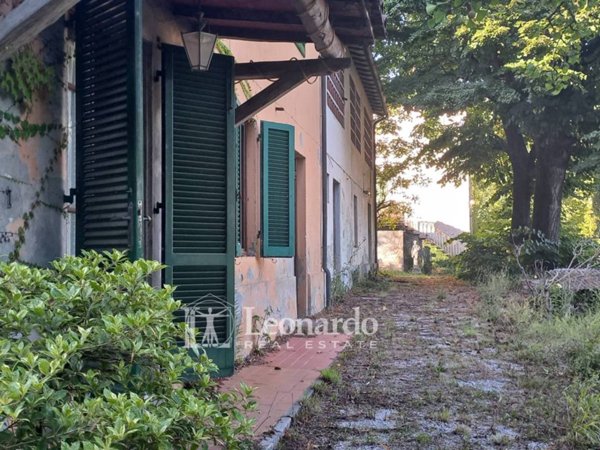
[200,202]
[109,126]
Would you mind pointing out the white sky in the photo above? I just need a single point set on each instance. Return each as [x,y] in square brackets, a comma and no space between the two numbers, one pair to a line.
[448,204]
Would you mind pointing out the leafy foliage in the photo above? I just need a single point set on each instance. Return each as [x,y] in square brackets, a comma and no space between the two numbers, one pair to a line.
[396,171]
[88,361]
[25,76]
[484,257]
[476,70]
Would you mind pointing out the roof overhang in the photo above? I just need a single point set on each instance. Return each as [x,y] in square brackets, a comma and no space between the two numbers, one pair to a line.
[354,24]
[357,24]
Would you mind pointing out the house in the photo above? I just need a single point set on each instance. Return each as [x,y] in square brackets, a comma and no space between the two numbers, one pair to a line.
[252,181]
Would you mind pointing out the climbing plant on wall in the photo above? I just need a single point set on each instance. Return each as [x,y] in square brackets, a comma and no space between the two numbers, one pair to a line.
[22,80]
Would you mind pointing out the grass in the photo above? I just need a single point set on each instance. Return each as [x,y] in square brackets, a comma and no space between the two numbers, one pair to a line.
[423,438]
[565,343]
[331,376]
[443,415]
[583,401]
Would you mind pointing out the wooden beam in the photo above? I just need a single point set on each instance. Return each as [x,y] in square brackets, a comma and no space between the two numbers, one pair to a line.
[278,36]
[21,25]
[259,35]
[293,77]
[277,69]
[267,96]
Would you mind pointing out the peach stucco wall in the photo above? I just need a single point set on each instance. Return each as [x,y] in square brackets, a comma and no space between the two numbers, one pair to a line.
[274,287]
[268,286]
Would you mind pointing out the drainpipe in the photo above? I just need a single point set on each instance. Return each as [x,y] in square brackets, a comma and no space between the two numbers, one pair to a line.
[325,187]
[314,15]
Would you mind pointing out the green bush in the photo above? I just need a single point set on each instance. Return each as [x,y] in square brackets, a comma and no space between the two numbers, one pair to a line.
[88,361]
[482,257]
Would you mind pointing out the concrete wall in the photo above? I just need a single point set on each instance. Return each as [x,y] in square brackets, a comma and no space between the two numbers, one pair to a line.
[390,250]
[23,164]
[347,166]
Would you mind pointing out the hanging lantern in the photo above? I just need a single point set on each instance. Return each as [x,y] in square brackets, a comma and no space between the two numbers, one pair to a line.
[199,46]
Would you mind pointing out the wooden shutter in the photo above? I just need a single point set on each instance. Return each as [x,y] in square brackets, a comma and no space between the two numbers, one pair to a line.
[278,190]
[239,137]
[200,189]
[109,126]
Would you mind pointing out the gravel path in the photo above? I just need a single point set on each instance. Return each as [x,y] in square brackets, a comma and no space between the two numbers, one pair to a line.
[435,379]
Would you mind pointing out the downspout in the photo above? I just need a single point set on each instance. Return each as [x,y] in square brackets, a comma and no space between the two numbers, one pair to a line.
[314,15]
[325,191]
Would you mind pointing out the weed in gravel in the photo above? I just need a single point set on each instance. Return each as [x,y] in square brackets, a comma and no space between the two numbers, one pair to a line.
[331,375]
[443,415]
[423,438]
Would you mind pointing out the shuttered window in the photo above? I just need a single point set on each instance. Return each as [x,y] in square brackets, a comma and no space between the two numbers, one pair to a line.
[200,190]
[239,152]
[336,95]
[355,110]
[109,126]
[278,190]
[368,137]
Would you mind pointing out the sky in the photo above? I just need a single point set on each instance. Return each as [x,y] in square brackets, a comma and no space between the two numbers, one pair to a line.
[448,204]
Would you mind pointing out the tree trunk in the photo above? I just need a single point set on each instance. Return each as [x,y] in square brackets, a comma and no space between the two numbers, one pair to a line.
[522,167]
[551,169]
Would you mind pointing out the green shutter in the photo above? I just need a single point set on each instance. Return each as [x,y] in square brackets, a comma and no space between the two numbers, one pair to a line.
[109,126]
[239,136]
[278,190]
[200,188]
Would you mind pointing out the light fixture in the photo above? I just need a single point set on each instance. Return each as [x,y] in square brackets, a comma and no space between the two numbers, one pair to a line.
[199,46]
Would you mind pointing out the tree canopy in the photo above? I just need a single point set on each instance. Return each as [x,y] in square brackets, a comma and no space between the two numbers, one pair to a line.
[509,92]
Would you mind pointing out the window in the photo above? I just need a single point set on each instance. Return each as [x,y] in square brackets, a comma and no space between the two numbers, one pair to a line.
[336,99]
[355,221]
[369,142]
[278,190]
[355,111]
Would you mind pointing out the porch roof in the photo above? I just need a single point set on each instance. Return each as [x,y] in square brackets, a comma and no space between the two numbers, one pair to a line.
[357,23]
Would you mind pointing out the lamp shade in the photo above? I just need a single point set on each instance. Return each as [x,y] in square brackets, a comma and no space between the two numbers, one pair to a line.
[199,47]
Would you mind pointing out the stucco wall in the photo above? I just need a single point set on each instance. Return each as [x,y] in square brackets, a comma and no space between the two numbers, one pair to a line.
[23,164]
[288,287]
[347,166]
[390,250]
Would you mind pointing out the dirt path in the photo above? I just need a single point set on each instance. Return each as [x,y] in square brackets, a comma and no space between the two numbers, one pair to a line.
[436,379]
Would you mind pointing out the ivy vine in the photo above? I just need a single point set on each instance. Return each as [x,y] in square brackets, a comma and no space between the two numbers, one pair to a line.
[23,80]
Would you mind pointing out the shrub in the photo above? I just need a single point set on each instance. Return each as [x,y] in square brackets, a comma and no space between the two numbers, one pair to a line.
[482,257]
[88,361]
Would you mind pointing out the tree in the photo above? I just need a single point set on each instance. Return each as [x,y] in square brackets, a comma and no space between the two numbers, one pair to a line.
[526,72]
[395,172]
